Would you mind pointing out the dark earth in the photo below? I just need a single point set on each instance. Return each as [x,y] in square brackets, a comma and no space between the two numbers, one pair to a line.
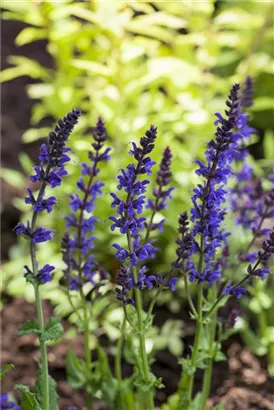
[242,383]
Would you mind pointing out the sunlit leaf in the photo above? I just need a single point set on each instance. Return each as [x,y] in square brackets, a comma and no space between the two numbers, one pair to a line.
[33,134]
[13,177]
[92,67]
[30,34]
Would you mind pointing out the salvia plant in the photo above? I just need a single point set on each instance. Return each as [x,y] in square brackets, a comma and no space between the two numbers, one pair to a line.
[203,260]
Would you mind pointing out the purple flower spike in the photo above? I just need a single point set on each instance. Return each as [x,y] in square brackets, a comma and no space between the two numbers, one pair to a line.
[207,212]
[53,153]
[249,201]
[52,157]
[247,94]
[128,220]
[254,271]
[160,192]
[77,245]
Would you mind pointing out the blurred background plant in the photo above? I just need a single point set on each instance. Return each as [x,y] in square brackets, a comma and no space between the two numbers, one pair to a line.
[138,63]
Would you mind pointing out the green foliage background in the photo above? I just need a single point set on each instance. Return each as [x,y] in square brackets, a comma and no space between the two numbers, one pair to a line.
[136,63]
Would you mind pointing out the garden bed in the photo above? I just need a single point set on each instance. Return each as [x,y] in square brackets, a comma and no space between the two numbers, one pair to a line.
[242,384]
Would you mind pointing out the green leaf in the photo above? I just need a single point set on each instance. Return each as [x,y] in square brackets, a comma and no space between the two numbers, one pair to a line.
[145,386]
[196,402]
[220,357]
[53,330]
[103,379]
[39,388]
[253,342]
[138,27]
[255,305]
[28,328]
[263,104]
[202,357]
[129,350]
[219,406]
[163,66]
[238,18]
[30,34]
[13,177]
[104,364]
[161,18]
[159,383]
[23,66]
[268,144]
[264,299]
[187,366]
[4,370]
[93,67]
[34,134]
[26,163]
[270,334]
[83,14]
[75,371]
[29,401]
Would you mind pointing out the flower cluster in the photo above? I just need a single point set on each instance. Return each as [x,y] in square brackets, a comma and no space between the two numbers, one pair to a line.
[128,220]
[252,206]
[262,258]
[243,132]
[207,212]
[247,94]
[161,193]
[248,200]
[6,403]
[185,243]
[39,235]
[53,157]
[83,269]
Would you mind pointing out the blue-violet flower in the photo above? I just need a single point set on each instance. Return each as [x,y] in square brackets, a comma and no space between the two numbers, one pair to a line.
[80,242]
[53,156]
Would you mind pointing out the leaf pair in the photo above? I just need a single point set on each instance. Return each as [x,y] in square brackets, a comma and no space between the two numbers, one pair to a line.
[53,330]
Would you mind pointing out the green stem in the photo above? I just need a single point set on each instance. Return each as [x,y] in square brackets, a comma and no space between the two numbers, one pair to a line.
[196,340]
[43,349]
[117,365]
[216,303]
[39,308]
[213,307]
[189,298]
[211,346]
[118,369]
[187,380]
[73,306]
[89,399]
[138,299]
[139,310]
[87,350]
[271,359]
